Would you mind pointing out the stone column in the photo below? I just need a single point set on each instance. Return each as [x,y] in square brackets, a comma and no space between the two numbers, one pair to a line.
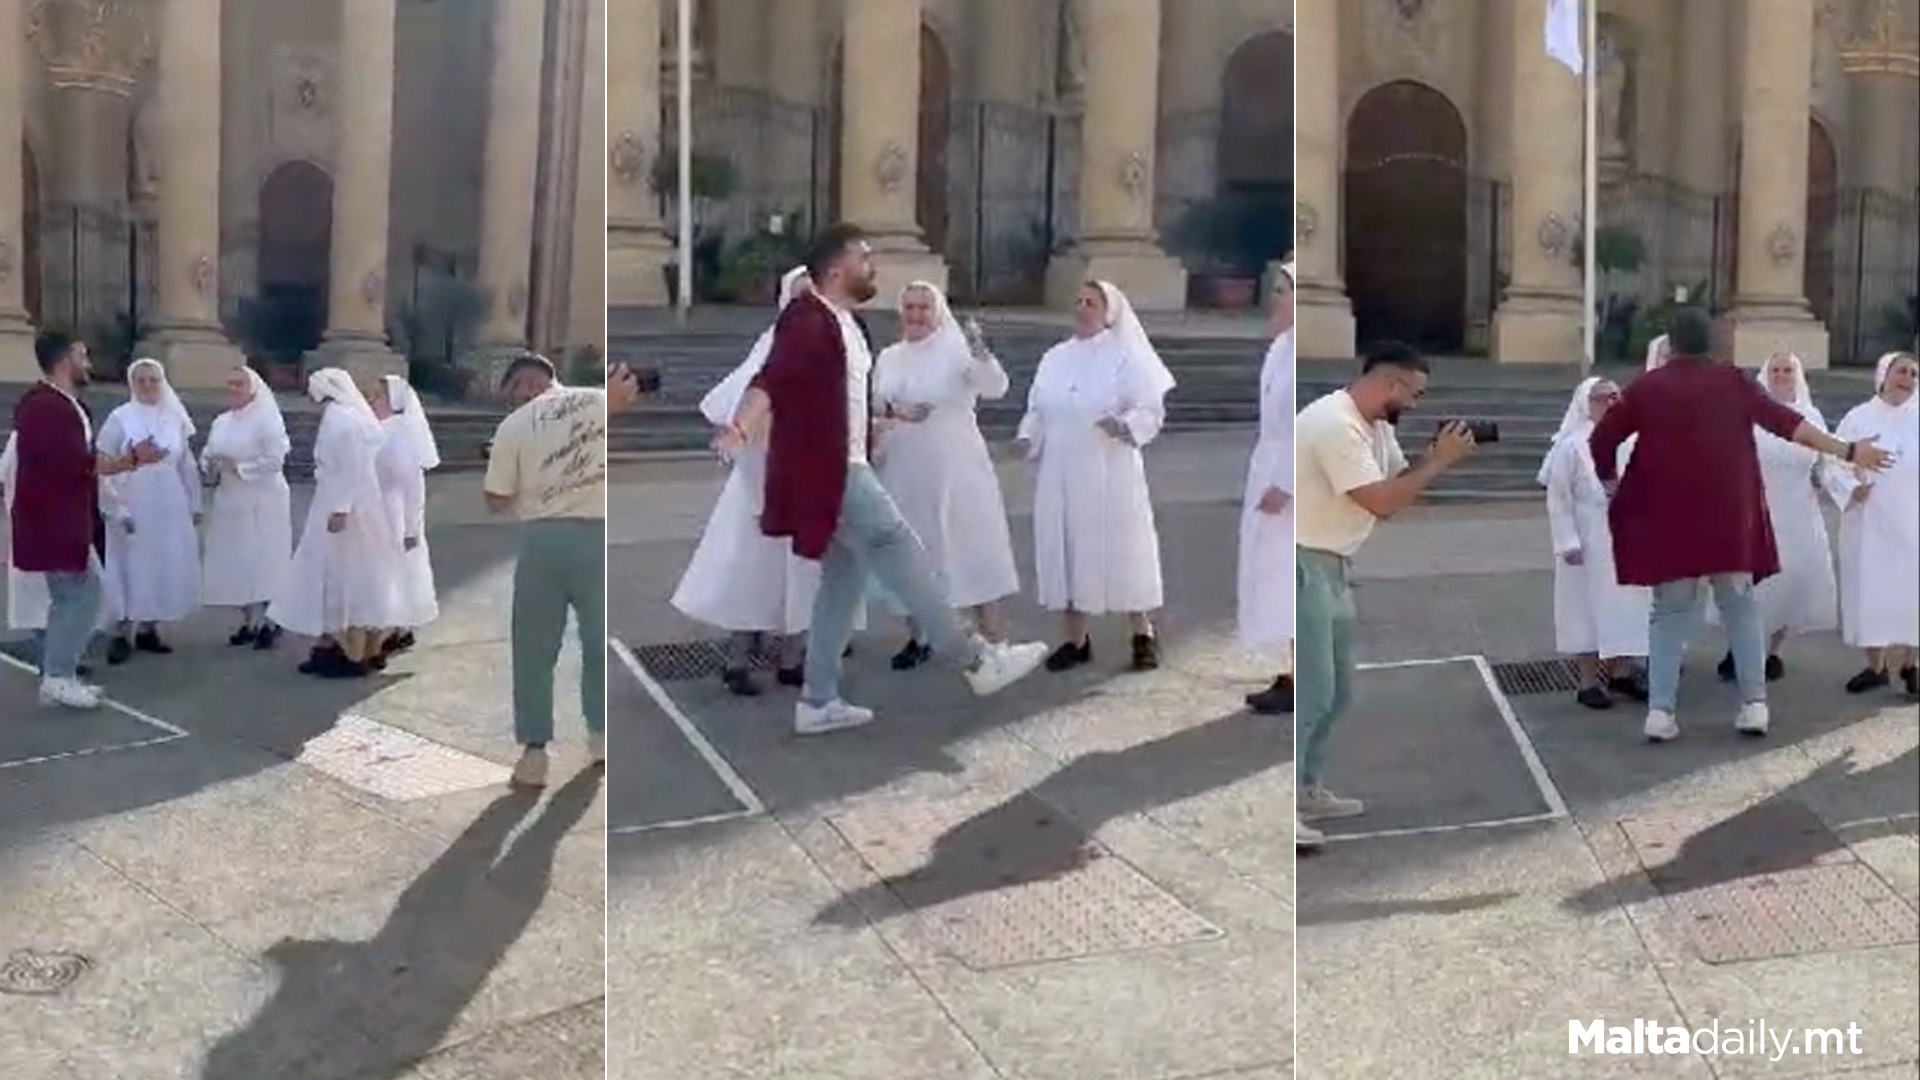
[1700,156]
[356,337]
[17,364]
[1538,320]
[512,170]
[1885,106]
[1323,315]
[1770,307]
[880,140]
[1006,57]
[1117,240]
[587,284]
[187,336]
[637,248]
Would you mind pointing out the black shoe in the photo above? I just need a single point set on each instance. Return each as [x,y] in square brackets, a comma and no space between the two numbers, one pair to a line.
[911,655]
[119,651]
[1776,669]
[320,659]
[1726,669]
[246,635]
[1594,697]
[1146,653]
[148,641]
[1275,700]
[342,668]
[1631,687]
[790,676]
[739,682]
[1071,655]
[265,638]
[1867,679]
[81,671]
[1910,675]
[399,642]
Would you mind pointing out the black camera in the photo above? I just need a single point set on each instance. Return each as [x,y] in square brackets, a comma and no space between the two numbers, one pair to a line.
[648,379]
[1483,431]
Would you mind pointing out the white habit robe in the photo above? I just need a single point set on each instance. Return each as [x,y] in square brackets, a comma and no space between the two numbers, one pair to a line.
[407,453]
[939,470]
[1592,612]
[1266,575]
[739,579]
[27,599]
[1096,544]
[1880,538]
[350,579]
[249,542]
[153,543]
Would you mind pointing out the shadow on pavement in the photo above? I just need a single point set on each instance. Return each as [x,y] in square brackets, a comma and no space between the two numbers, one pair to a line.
[371,1009]
[1047,831]
[1356,911]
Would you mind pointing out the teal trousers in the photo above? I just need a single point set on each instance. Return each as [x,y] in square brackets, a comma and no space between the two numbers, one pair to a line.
[562,568]
[1324,624]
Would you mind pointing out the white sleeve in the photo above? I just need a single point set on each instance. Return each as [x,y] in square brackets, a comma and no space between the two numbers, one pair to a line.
[188,469]
[111,441]
[1562,475]
[986,377]
[1144,413]
[346,456]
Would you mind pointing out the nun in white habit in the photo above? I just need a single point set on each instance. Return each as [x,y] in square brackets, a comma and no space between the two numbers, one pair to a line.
[740,580]
[935,463]
[407,454]
[344,586]
[1880,531]
[151,513]
[250,515]
[1601,623]
[1266,513]
[1096,399]
[1802,598]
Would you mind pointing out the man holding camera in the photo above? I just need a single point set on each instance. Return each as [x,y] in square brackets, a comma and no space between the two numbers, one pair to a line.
[1350,474]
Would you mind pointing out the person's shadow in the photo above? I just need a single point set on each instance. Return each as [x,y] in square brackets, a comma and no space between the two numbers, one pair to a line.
[371,1009]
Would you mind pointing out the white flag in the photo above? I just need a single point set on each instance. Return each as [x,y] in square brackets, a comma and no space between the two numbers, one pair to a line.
[1564,34]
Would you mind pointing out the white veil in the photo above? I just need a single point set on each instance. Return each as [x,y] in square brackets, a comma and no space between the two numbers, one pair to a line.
[262,411]
[1657,352]
[412,417]
[1885,365]
[724,400]
[1146,374]
[947,336]
[1577,421]
[337,387]
[166,421]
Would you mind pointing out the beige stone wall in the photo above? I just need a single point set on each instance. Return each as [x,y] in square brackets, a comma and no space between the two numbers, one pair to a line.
[1683,85]
[427,131]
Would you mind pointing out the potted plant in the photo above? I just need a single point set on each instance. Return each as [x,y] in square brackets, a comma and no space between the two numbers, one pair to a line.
[1229,240]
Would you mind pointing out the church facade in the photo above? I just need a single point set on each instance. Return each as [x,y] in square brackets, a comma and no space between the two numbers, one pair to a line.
[363,182]
[1004,148]
[1757,155]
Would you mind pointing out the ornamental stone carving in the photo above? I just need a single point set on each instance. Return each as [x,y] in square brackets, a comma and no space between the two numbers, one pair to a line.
[1306,222]
[373,288]
[891,168]
[1133,174]
[6,260]
[1783,243]
[92,44]
[628,158]
[1554,235]
[201,275]
[517,299]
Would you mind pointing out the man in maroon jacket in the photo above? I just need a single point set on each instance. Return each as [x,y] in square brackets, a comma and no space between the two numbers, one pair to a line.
[823,494]
[1691,513]
[55,509]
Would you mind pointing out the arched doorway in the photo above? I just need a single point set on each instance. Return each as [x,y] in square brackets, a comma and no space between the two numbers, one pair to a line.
[296,245]
[930,149]
[1405,201]
[29,268]
[1255,152]
[1823,218]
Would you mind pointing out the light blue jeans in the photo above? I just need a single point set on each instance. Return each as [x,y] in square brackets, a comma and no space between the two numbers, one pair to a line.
[1325,621]
[1675,617]
[73,611]
[873,539]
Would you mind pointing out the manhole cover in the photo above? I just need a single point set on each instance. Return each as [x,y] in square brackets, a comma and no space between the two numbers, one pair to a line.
[1536,677]
[30,971]
[1014,884]
[689,661]
[1815,910]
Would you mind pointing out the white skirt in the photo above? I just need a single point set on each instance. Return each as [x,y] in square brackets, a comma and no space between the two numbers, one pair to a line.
[249,541]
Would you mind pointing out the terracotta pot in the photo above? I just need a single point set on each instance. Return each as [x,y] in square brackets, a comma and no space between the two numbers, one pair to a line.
[284,377]
[1232,293]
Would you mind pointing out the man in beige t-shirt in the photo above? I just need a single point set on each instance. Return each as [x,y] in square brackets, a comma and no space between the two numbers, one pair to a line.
[1349,473]
[548,465]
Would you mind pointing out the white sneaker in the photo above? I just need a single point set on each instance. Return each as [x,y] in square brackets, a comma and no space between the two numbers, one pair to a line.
[1306,837]
[1753,719]
[530,773]
[1003,665]
[1317,804]
[1661,726]
[833,716]
[69,694]
[597,749]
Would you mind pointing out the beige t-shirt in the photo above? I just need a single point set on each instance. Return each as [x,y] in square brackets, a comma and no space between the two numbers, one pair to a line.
[550,455]
[1336,451]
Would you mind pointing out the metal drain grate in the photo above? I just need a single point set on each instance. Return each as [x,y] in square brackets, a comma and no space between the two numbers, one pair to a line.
[1557,676]
[32,973]
[687,661]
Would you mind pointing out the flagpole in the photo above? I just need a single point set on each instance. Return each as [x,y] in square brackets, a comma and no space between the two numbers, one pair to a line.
[683,63]
[1590,186]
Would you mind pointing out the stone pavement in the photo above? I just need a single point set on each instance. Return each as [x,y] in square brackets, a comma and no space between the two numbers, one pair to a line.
[266,876]
[1086,878]
[1711,879]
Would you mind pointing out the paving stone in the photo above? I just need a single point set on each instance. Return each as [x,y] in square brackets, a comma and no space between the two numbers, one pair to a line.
[396,764]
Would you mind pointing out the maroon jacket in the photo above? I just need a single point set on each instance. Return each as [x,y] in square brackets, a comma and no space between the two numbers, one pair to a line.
[56,492]
[1692,503]
[805,378]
